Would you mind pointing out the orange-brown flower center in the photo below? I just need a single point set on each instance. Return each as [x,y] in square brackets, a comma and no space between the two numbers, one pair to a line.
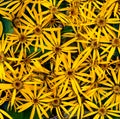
[70,72]
[17,84]
[22,38]
[53,10]
[116,89]
[35,101]
[102,111]
[56,102]
[116,42]
[38,30]
[16,22]
[57,49]
[95,44]
[101,22]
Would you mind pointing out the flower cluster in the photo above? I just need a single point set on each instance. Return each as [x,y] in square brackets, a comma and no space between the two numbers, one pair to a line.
[62,58]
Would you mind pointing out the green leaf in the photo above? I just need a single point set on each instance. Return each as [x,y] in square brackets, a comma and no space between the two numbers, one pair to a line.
[7,25]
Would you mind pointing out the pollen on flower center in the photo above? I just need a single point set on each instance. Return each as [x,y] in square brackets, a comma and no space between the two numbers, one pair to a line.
[38,30]
[16,22]
[116,42]
[35,100]
[53,10]
[95,44]
[22,38]
[17,84]
[57,49]
[116,89]
[73,12]
[70,72]
[101,22]
[102,111]
[56,102]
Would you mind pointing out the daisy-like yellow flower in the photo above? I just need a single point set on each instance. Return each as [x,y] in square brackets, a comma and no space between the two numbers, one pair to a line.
[14,18]
[55,11]
[71,71]
[55,47]
[21,39]
[112,87]
[37,25]
[62,100]
[102,23]
[26,62]
[97,82]
[16,82]
[102,110]
[112,44]
[39,100]
[74,14]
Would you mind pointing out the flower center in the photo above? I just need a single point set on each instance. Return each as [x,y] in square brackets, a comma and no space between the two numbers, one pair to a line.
[101,22]
[102,111]
[116,89]
[38,30]
[57,49]
[73,12]
[16,22]
[70,72]
[95,44]
[104,66]
[35,101]
[22,38]
[116,42]
[53,10]
[56,102]
[17,84]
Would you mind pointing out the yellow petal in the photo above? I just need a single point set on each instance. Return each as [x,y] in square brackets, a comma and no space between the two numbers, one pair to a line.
[6,114]
[1,28]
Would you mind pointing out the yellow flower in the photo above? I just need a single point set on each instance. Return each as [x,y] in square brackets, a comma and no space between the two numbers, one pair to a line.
[16,82]
[102,111]
[101,24]
[39,100]
[70,71]
[111,45]
[21,39]
[63,99]
[26,63]
[55,11]
[112,87]
[54,47]
[36,25]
